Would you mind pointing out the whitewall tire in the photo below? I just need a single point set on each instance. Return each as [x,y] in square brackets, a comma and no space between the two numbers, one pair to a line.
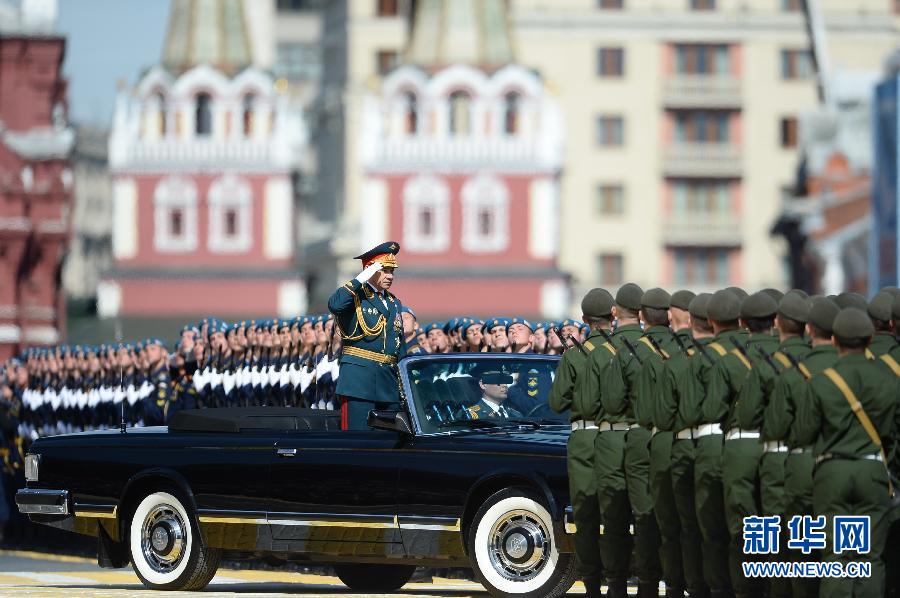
[513,549]
[165,549]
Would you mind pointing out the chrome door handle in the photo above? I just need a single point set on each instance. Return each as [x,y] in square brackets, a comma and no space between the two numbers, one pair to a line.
[287,452]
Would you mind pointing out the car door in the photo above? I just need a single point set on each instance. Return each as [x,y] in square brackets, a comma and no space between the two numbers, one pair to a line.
[334,492]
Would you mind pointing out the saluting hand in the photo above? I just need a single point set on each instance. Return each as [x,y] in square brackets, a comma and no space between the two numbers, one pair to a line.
[369,272]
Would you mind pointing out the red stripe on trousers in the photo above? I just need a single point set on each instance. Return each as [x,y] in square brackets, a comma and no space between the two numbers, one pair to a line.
[345,412]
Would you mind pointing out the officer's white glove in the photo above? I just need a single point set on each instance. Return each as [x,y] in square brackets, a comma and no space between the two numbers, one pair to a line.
[370,271]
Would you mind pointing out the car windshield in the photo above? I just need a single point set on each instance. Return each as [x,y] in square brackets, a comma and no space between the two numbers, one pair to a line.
[482,392]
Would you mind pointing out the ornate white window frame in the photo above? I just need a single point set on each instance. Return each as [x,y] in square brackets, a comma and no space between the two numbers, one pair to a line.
[426,192]
[230,193]
[485,192]
[175,193]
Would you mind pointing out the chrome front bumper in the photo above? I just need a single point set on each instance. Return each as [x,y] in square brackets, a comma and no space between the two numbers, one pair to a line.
[38,501]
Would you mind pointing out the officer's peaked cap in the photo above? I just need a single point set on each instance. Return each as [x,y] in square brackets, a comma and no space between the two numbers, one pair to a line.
[682,299]
[853,323]
[880,306]
[656,298]
[597,303]
[822,312]
[795,305]
[724,306]
[758,305]
[629,296]
[699,306]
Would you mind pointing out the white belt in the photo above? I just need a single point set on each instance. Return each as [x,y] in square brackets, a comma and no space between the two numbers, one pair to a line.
[800,450]
[581,424]
[870,457]
[775,446]
[707,430]
[614,427]
[654,431]
[737,433]
[686,434]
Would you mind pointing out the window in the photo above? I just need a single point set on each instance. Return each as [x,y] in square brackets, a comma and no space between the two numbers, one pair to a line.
[230,215]
[702,59]
[386,8]
[610,62]
[175,215]
[385,60]
[701,198]
[297,62]
[297,5]
[412,114]
[610,269]
[247,115]
[610,199]
[426,214]
[485,212]
[796,64]
[789,131]
[792,5]
[511,113]
[702,126]
[611,4]
[460,113]
[703,4]
[701,267]
[897,7]
[203,115]
[610,131]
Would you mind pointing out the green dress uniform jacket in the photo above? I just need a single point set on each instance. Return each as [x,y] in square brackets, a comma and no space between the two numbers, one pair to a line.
[371,327]
[882,342]
[849,479]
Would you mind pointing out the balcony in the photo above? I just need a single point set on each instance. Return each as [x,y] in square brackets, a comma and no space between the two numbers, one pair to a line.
[465,152]
[702,229]
[707,160]
[702,91]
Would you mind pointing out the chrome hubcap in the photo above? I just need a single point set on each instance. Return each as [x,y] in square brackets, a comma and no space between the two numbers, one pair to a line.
[163,536]
[519,545]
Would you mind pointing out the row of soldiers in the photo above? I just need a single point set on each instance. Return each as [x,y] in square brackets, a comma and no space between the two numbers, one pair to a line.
[698,411]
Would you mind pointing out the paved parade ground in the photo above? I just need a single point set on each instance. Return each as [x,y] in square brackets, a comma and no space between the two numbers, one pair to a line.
[35,574]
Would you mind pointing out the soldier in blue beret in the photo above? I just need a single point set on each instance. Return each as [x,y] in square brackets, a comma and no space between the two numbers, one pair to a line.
[499,340]
[437,338]
[369,319]
[410,325]
[473,336]
[520,334]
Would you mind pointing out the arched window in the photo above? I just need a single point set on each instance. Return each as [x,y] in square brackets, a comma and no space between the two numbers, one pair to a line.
[203,115]
[460,113]
[412,114]
[426,215]
[511,113]
[162,113]
[249,102]
[230,215]
[485,202]
[175,215]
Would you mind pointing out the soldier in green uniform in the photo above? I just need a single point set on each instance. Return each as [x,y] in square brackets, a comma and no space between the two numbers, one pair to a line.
[880,313]
[567,393]
[894,354]
[849,415]
[369,319]
[676,414]
[724,314]
[766,478]
[622,397]
[613,423]
[741,451]
[779,419]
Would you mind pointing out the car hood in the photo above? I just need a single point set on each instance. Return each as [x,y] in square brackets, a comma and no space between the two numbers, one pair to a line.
[546,441]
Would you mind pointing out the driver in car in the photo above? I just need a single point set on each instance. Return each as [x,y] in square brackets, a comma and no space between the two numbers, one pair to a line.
[494,387]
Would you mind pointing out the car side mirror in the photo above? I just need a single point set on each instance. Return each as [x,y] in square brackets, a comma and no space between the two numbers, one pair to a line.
[396,421]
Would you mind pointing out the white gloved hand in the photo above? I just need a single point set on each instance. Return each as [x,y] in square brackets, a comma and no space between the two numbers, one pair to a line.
[369,272]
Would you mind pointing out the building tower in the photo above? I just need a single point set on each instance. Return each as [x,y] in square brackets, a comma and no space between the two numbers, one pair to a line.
[35,179]
[461,152]
[204,152]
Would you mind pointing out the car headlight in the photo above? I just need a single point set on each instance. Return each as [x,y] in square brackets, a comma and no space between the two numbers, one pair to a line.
[32,464]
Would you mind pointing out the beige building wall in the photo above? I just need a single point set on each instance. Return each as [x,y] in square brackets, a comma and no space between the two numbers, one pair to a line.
[561,39]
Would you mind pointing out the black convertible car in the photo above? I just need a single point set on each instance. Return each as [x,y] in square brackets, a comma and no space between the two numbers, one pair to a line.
[436,484]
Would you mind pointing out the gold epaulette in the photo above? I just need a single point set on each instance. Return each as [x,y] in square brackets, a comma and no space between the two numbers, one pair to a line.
[869,354]
[589,346]
[609,348]
[782,359]
[892,363]
[715,346]
[743,359]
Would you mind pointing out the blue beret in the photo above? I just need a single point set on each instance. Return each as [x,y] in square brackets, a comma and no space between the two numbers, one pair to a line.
[155,341]
[408,310]
[434,326]
[519,321]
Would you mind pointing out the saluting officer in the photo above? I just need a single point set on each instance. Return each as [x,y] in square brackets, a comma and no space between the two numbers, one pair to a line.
[566,393]
[849,416]
[369,319]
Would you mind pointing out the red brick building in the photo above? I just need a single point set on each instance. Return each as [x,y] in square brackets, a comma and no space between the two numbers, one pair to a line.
[204,151]
[35,179]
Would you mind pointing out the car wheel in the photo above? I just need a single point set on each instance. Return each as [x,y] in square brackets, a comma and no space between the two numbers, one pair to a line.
[374,578]
[513,551]
[165,549]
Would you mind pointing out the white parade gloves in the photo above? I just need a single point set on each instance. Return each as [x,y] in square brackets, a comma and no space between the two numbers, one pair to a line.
[370,271]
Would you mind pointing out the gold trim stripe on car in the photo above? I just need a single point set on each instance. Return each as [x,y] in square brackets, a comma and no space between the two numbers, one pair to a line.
[309,520]
[97,511]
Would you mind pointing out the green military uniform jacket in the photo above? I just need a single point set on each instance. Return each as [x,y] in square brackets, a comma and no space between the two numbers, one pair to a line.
[680,395]
[567,391]
[632,383]
[371,327]
[615,400]
[790,388]
[665,407]
[825,419]
[757,390]
[590,384]
[882,342]
[718,383]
